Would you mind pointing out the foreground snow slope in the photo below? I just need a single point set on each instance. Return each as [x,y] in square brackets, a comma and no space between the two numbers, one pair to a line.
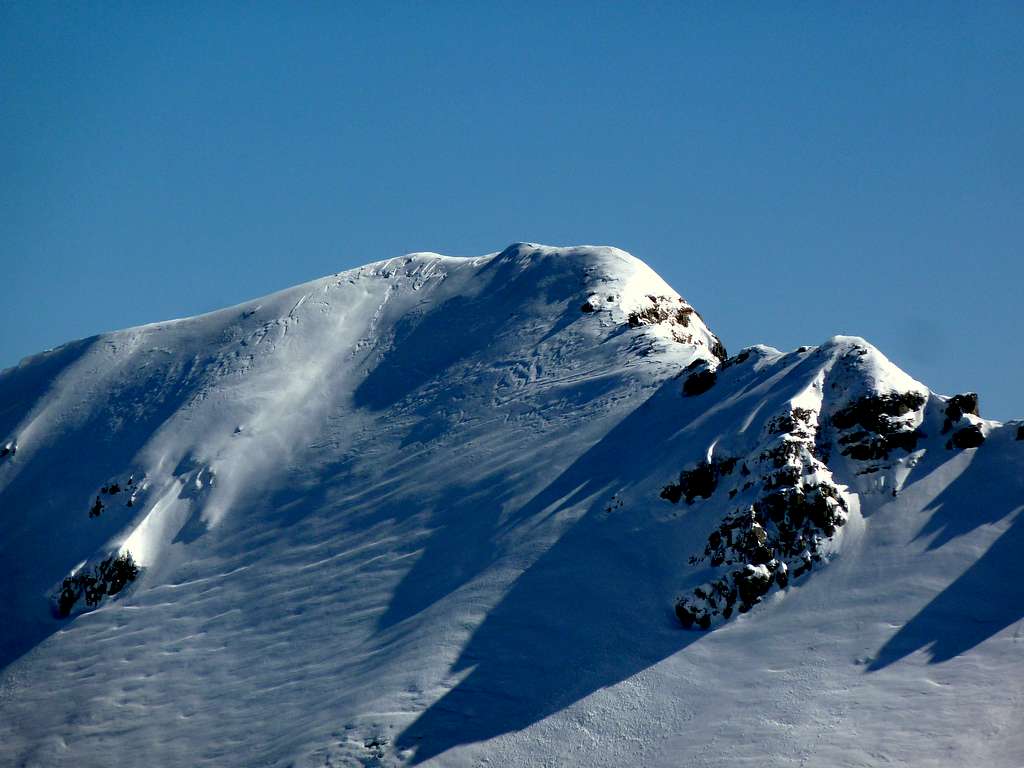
[422,511]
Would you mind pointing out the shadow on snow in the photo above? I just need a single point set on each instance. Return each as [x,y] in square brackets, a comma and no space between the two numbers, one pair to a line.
[571,625]
[989,595]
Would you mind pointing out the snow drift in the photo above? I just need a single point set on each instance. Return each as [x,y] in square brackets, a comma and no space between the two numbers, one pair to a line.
[461,510]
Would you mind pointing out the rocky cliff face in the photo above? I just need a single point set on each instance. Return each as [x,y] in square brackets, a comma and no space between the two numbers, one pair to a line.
[788,477]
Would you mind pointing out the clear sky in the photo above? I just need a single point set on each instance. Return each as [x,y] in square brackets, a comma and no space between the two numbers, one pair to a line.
[794,170]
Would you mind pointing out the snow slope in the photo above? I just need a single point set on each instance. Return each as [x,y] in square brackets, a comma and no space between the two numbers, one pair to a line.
[421,512]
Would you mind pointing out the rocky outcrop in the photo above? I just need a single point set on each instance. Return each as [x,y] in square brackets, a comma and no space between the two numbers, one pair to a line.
[875,425]
[773,483]
[699,481]
[788,507]
[92,584]
[967,437]
[700,377]
[662,308]
[131,489]
[962,416]
[674,313]
[959,406]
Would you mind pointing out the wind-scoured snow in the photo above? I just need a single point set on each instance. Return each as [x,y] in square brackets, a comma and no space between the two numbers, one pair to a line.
[416,512]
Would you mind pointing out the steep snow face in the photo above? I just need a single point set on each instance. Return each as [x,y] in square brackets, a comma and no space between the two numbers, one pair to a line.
[226,400]
[442,509]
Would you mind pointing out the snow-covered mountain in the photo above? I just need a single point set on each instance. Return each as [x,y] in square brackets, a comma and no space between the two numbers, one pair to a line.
[463,510]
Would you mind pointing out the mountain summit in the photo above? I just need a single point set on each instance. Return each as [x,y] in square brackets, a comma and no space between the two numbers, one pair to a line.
[515,509]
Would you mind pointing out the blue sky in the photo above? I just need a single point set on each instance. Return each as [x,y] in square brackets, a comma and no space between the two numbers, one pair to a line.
[794,170]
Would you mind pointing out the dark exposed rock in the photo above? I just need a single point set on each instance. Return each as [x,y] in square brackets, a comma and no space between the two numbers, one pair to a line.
[961,404]
[957,407]
[766,542]
[1020,432]
[875,412]
[744,586]
[739,359]
[662,308]
[376,749]
[97,508]
[676,313]
[700,381]
[108,578]
[586,307]
[881,430]
[752,583]
[778,526]
[672,492]
[799,419]
[699,481]
[877,447]
[968,437]
[782,576]
[685,615]
[784,452]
